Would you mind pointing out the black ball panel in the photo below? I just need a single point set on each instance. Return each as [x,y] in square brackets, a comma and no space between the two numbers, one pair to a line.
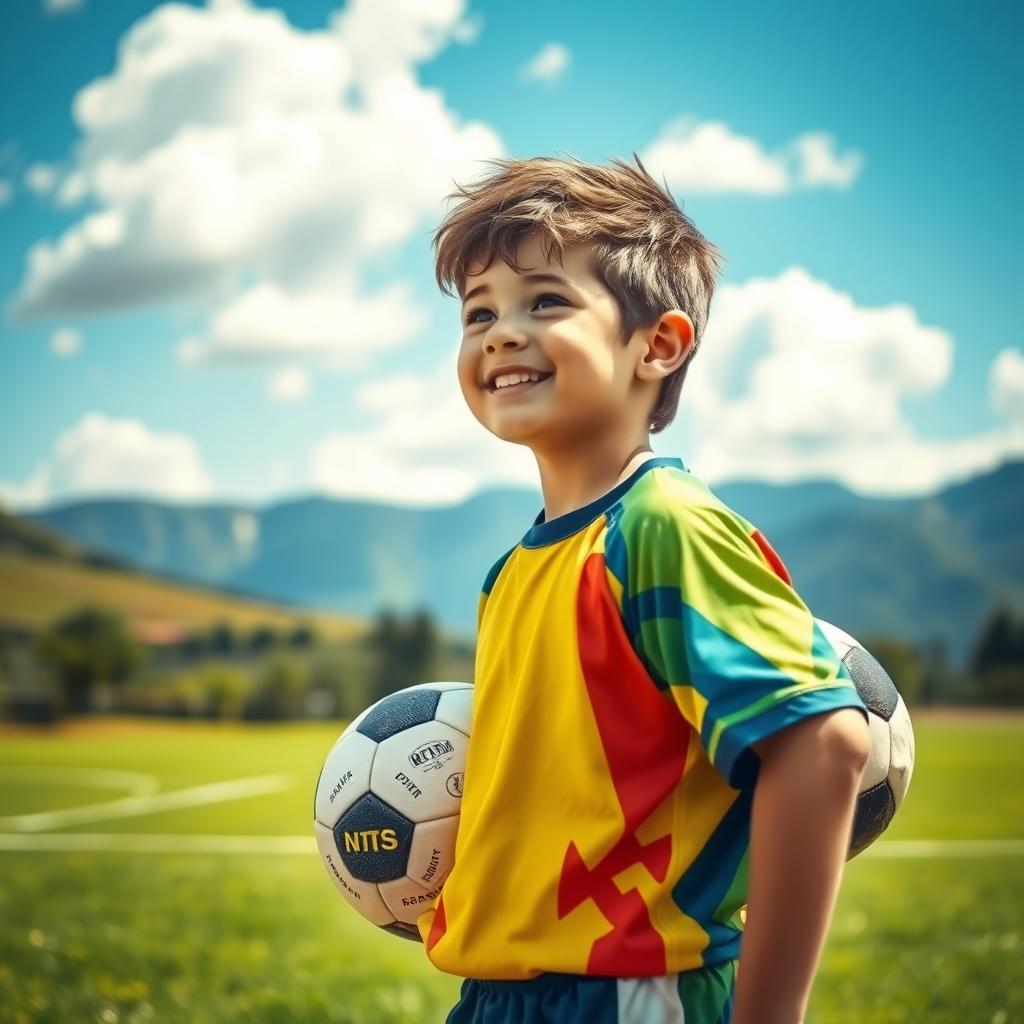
[876,689]
[373,840]
[407,931]
[399,711]
[874,811]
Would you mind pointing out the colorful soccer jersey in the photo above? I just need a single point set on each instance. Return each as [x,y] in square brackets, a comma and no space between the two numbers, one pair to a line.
[628,655]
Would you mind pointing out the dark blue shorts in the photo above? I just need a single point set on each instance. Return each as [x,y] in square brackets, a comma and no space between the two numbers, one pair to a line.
[703,996]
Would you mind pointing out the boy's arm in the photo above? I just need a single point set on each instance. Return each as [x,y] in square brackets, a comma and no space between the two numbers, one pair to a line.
[803,807]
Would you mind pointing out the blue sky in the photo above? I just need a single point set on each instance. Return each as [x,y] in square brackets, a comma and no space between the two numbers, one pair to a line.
[215,225]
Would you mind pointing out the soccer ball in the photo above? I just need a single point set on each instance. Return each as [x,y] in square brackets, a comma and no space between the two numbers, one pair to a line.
[886,776]
[387,802]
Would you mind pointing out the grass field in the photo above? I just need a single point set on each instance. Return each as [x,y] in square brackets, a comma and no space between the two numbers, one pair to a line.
[933,935]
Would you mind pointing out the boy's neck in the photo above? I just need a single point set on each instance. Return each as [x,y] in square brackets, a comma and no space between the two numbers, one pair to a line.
[570,484]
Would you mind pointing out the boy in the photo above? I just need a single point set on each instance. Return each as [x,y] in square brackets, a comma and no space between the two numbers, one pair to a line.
[664,746]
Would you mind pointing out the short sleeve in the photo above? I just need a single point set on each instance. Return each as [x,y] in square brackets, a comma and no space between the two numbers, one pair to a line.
[489,580]
[714,619]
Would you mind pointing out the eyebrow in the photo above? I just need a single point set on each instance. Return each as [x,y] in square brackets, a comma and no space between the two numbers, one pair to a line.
[526,277]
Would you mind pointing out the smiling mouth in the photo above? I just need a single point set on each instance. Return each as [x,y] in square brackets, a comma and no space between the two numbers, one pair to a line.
[520,387]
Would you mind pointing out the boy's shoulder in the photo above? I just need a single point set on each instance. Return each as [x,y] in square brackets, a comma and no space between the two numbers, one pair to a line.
[674,497]
[665,503]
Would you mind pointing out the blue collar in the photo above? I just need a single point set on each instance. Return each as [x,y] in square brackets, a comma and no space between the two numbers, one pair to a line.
[566,525]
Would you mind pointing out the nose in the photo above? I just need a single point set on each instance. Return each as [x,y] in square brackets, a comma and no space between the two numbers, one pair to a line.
[505,338]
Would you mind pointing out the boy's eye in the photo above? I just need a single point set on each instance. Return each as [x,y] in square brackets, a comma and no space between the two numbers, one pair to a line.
[471,314]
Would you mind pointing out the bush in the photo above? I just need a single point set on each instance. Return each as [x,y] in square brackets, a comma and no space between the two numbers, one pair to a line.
[226,689]
[1003,685]
[279,691]
[222,639]
[194,645]
[303,635]
[263,638]
[190,697]
[345,675]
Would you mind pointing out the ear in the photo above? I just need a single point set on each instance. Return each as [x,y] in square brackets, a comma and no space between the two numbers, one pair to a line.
[668,343]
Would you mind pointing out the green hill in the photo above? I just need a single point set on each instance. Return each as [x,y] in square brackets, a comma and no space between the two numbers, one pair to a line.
[44,575]
[922,568]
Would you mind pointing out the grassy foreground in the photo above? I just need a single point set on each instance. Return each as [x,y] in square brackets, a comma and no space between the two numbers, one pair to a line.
[135,937]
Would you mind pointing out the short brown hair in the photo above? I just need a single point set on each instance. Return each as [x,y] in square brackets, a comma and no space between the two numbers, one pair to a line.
[648,253]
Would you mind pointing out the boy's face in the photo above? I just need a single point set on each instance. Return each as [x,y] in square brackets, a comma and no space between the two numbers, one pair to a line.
[566,329]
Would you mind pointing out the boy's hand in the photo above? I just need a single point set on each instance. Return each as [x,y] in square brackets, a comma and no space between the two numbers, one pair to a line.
[803,807]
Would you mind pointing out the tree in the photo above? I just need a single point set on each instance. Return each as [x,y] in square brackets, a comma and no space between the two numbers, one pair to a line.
[406,653]
[194,644]
[935,670]
[424,647]
[997,658]
[1000,642]
[280,690]
[345,676]
[225,690]
[302,635]
[87,648]
[221,638]
[902,663]
[263,638]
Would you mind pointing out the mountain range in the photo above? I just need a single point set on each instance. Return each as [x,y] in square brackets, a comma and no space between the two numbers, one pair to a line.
[922,568]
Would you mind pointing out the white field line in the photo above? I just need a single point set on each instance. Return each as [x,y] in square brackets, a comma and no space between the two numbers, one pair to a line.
[285,845]
[918,848]
[112,842]
[135,783]
[133,806]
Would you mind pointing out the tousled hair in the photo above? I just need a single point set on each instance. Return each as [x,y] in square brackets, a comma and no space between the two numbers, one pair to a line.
[647,252]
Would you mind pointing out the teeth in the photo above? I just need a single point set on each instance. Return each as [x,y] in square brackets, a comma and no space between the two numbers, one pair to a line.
[508,379]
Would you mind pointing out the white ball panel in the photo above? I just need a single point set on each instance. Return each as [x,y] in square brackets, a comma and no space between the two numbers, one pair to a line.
[841,641]
[902,761]
[407,899]
[345,778]
[364,896]
[456,708]
[418,771]
[432,853]
[880,757]
[444,686]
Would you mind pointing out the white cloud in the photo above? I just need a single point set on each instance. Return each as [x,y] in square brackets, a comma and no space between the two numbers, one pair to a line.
[101,455]
[290,384]
[425,447]
[6,191]
[329,319]
[235,159]
[41,178]
[385,37]
[818,163]
[547,64]
[1006,384]
[72,190]
[709,157]
[65,341]
[468,30]
[794,379]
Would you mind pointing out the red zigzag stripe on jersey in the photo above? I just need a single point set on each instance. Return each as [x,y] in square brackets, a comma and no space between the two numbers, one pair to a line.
[645,740]
[773,559]
[439,926]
